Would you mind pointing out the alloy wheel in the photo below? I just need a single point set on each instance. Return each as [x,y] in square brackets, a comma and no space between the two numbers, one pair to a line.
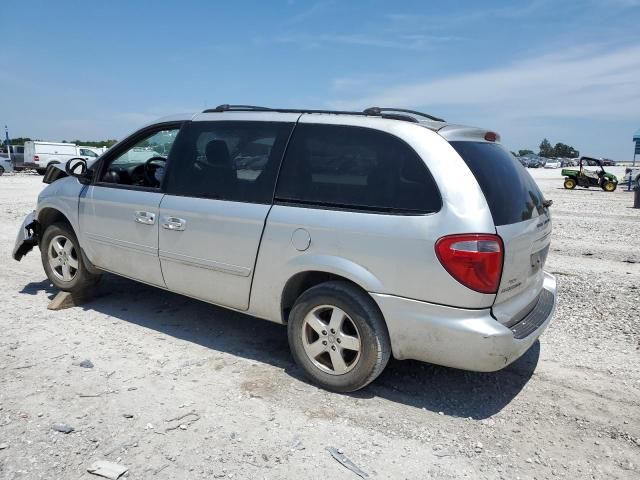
[63,258]
[331,339]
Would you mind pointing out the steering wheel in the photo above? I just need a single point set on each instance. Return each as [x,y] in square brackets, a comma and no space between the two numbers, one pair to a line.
[149,170]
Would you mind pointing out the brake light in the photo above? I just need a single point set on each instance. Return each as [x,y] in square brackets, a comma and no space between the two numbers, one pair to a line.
[474,260]
[36,158]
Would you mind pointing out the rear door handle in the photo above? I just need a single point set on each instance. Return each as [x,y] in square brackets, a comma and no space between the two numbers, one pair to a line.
[174,223]
[145,218]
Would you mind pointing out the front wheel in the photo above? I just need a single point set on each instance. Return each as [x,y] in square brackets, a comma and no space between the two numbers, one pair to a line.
[338,336]
[62,259]
[570,183]
[609,186]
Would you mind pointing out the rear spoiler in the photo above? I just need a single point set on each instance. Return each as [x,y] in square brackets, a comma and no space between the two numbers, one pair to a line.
[470,134]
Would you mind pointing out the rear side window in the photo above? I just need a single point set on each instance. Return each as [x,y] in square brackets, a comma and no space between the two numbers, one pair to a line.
[356,168]
[235,161]
[511,193]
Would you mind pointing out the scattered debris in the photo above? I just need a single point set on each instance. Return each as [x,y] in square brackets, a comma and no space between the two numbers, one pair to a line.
[345,462]
[25,366]
[61,427]
[106,469]
[191,416]
[296,444]
[86,364]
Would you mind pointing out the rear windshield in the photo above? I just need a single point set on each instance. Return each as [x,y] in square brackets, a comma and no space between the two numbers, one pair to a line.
[511,193]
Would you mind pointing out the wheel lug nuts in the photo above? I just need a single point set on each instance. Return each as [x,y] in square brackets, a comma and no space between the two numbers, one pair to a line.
[324,332]
[333,347]
[324,342]
[338,340]
[333,331]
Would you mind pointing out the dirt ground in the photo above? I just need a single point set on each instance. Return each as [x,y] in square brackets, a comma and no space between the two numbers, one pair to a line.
[182,389]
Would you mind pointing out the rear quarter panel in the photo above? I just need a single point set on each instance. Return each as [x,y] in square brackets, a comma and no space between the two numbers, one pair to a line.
[388,254]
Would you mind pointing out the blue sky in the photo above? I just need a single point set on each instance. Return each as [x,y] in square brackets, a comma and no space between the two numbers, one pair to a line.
[567,70]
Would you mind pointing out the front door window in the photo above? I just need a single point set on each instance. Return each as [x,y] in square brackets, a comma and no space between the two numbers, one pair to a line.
[144,163]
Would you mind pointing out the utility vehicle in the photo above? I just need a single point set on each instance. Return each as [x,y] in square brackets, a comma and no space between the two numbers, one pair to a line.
[584,177]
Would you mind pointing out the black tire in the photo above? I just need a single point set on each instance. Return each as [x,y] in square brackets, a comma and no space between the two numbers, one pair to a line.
[80,278]
[41,171]
[1,170]
[570,183]
[363,313]
[609,186]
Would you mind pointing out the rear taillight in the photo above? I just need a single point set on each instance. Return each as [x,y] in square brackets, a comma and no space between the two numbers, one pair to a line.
[475,260]
[36,158]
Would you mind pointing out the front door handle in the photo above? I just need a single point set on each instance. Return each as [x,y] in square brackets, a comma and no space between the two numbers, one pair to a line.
[145,218]
[174,223]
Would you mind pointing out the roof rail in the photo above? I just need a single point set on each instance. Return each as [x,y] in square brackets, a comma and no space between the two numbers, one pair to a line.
[379,111]
[225,107]
[373,111]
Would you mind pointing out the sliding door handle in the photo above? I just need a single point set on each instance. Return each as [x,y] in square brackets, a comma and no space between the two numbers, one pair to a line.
[145,218]
[174,223]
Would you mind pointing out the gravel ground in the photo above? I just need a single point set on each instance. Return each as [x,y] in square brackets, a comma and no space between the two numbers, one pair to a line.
[182,389]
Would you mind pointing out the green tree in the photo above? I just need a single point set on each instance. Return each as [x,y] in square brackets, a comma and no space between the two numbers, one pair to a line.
[17,141]
[94,143]
[563,150]
[546,150]
[525,152]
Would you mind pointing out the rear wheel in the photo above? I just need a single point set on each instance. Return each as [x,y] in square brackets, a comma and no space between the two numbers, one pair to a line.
[570,183]
[62,259]
[338,336]
[609,186]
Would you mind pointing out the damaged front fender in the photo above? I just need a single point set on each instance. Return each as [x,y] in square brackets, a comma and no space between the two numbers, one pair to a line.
[28,237]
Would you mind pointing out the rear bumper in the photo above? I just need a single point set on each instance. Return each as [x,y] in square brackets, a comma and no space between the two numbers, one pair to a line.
[461,338]
[27,237]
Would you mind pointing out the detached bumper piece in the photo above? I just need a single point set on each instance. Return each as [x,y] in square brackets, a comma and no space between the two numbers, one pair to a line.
[536,317]
[27,238]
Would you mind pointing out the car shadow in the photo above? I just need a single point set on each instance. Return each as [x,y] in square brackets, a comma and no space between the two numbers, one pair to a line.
[439,389]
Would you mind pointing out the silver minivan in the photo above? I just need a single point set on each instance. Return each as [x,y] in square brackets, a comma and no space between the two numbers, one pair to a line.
[369,234]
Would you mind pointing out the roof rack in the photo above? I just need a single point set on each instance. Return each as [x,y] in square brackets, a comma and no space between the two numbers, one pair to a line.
[225,107]
[372,111]
[379,111]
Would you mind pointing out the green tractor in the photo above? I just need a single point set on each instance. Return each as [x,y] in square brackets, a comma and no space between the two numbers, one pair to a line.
[589,178]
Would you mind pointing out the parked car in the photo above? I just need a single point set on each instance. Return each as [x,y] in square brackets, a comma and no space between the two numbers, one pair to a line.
[39,155]
[534,161]
[607,162]
[88,152]
[6,165]
[349,230]
[552,163]
[586,177]
[633,174]
[17,154]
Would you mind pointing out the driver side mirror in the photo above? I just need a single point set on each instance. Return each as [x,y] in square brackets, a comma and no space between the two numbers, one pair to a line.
[77,167]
